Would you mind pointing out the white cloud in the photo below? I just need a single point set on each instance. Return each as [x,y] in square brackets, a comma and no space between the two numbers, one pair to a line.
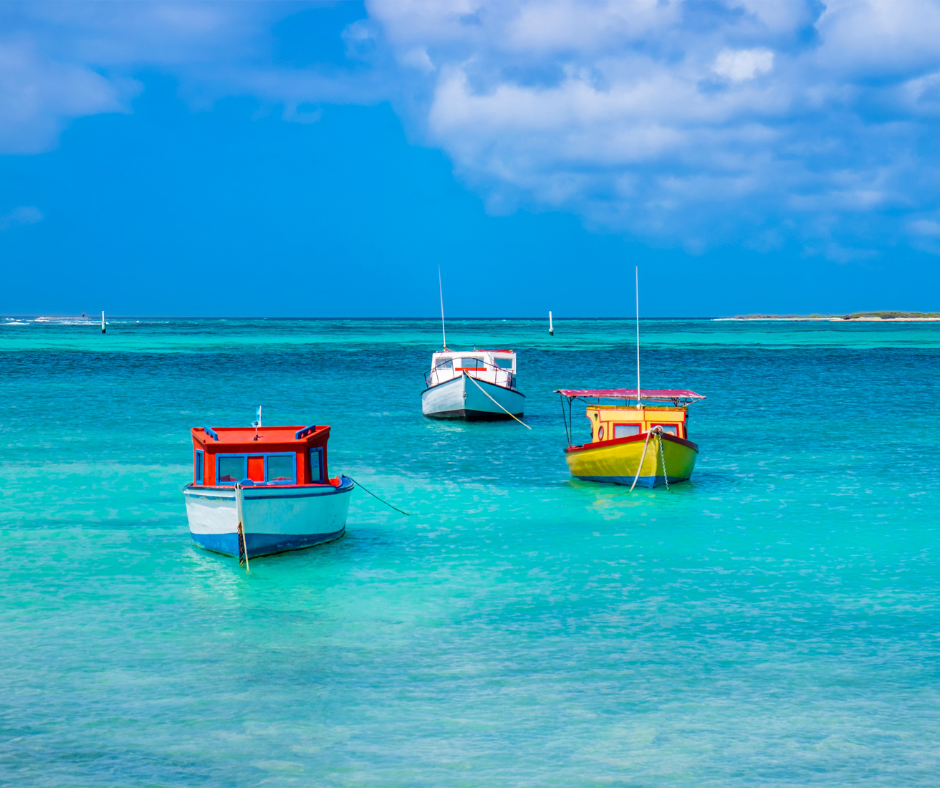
[743,64]
[720,118]
[38,95]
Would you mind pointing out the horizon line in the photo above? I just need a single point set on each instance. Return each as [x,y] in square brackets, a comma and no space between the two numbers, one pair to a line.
[436,319]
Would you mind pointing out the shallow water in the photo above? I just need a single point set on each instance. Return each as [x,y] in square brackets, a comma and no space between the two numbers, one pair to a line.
[774,621]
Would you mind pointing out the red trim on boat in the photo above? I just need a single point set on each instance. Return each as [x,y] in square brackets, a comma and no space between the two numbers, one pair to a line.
[485,382]
[631,439]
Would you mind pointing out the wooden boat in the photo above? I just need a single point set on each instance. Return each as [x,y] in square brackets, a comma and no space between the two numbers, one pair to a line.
[473,385]
[641,444]
[270,482]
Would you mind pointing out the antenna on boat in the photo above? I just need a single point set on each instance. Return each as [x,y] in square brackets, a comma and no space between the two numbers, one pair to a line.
[441,288]
[257,424]
[551,331]
[638,403]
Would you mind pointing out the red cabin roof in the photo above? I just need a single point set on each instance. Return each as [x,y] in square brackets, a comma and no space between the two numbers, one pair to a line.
[224,455]
[231,436]
[663,395]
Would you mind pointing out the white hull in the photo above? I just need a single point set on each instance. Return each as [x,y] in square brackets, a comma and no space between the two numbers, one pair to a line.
[461,398]
[274,519]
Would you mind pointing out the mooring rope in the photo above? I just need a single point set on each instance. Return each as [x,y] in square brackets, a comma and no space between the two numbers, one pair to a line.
[240,514]
[359,484]
[646,443]
[495,402]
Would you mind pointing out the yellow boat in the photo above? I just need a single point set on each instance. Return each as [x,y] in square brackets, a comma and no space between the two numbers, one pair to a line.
[642,444]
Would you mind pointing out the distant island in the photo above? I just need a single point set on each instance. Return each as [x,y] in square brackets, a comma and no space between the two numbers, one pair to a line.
[860,316]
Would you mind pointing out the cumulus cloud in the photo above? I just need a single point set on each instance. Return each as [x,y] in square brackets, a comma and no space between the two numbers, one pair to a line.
[684,122]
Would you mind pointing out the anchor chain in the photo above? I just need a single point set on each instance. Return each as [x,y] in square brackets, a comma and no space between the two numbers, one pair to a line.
[662,455]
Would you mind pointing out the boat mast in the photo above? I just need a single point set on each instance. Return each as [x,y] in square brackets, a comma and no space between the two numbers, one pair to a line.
[638,404]
[441,287]
[551,331]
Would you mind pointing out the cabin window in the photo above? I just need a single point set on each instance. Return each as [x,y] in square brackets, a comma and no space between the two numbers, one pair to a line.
[316,466]
[600,433]
[469,363]
[230,468]
[669,429]
[280,469]
[505,363]
[200,465]
[626,430]
[446,363]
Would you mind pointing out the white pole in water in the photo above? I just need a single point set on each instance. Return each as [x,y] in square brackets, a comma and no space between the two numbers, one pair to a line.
[638,404]
[551,331]
[441,286]
[103,329]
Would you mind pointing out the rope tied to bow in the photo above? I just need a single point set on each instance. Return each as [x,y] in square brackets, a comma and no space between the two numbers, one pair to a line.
[495,402]
[658,431]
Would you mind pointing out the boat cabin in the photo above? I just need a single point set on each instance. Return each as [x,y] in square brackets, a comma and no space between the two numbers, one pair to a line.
[624,421]
[613,422]
[491,366]
[266,456]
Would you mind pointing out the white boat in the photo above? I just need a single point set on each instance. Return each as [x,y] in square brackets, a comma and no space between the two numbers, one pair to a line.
[473,385]
[273,520]
[263,490]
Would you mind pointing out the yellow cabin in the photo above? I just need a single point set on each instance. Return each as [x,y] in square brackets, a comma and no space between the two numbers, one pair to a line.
[609,422]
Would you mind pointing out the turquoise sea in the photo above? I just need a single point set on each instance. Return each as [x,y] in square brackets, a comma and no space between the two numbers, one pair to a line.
[776,621]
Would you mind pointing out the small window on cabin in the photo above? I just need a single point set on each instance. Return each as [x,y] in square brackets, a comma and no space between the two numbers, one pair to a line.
[626,430]
[280,470]
[230,469]
[316,470]
[505,363]
[600,434]
[469,363]
[669,429]
[445,363]
[200,466]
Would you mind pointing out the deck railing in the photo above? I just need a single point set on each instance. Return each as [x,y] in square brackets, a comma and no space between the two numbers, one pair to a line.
[493,374]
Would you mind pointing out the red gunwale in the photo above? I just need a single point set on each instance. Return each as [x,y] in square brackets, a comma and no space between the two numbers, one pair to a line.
[631,439]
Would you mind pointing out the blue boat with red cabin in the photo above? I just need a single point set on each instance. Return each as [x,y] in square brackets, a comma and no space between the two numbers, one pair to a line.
[262,490]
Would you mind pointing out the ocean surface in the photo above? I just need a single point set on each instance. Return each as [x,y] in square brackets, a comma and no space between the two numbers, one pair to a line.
[775,621]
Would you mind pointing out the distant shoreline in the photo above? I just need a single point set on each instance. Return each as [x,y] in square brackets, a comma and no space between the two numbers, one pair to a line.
[857,317]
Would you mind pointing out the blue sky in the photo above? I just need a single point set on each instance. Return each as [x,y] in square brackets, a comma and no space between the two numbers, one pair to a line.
[323,158]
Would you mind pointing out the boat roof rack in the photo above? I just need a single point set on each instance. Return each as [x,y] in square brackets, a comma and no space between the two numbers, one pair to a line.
[653,395]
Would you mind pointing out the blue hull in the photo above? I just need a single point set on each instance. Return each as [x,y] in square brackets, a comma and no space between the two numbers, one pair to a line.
[262,544]
[649,482]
